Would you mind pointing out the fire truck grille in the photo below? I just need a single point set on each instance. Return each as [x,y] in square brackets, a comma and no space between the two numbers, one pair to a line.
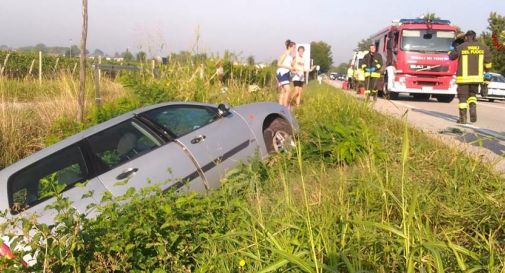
[429,68]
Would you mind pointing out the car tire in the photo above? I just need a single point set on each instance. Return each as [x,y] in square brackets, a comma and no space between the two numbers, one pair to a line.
[490,100]
[445,98]
[278,136]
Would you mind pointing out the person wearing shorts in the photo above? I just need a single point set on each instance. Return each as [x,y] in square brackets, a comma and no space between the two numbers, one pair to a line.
[299,75]
[284,68]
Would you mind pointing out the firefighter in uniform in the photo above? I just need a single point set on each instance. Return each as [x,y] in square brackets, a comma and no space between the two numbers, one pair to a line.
[474,60]
[371,65]
[350,75]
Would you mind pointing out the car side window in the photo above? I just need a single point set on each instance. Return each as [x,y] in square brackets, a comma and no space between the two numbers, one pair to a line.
[40,181]
[120,144]
[182,119]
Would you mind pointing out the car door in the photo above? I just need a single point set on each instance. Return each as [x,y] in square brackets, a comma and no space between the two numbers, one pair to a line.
[217,142]
[130,154]
[65,171]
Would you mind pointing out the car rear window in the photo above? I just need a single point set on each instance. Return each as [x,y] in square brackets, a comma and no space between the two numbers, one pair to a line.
[182,119]
[41,180]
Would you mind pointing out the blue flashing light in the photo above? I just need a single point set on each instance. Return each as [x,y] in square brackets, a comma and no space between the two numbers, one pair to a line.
[424,21]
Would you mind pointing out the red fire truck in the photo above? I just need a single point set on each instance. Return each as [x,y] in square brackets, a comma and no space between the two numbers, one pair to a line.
[415,53]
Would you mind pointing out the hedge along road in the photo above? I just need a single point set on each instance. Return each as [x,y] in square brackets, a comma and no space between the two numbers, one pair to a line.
[485,138]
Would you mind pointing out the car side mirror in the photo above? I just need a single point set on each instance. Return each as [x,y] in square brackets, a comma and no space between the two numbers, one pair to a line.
[223,110]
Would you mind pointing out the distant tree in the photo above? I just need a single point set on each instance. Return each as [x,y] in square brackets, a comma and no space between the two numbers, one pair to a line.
[341,68]
[182,57]
[494,38]
[321,53]
[98,52]
[127,56]
[73,51]
[4,47]
[230,56]
[363,44]
[141,56]
[430,16]
[117,55]
[199,58]
[40,47]
[250,60]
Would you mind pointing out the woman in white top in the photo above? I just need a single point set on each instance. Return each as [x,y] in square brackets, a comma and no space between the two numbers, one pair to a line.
[299,75]
[284,68]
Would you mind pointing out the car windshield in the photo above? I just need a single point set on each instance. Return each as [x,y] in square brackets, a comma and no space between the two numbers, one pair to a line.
[426,40]
[498,78]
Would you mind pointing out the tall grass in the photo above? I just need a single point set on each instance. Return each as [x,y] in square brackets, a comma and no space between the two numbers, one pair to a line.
[29,110]
[362,193]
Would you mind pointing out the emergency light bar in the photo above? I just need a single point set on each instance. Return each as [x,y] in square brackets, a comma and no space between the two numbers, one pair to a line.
[425,21]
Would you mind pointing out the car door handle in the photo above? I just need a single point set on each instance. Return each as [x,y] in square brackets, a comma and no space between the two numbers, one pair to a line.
[198,139]
[127,173]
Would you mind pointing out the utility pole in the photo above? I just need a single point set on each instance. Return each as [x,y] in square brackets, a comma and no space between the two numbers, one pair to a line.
[82,74]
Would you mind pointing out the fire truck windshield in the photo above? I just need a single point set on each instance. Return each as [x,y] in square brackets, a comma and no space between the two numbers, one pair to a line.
[427,40]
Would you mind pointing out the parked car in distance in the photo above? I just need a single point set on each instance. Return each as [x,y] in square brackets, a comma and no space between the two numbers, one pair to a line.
[186,146]
[495,88]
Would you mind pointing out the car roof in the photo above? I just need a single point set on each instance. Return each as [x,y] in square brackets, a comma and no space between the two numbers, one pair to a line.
[85,134]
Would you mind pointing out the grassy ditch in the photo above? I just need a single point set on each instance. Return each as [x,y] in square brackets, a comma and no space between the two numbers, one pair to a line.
[362,193]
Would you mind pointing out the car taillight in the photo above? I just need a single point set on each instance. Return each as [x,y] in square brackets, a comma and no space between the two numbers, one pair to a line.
[5,251]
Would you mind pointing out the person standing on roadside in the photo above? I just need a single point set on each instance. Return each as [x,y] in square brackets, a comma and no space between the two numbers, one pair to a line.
[299,75]
[350,76]
[473,67]
[284,69]
[371,65]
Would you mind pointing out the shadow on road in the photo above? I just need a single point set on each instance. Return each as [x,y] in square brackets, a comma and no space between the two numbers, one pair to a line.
[451,118]
[479,140]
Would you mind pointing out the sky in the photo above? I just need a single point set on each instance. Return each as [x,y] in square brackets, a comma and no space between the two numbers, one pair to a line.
[246,27]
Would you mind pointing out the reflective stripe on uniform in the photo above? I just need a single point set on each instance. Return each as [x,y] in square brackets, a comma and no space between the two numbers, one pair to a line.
[373,74]
[481,64]
[464,60]
[463,105]
[472,99]
[470,79]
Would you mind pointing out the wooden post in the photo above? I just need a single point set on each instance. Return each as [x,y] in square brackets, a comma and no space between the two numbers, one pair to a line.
[98,99]
[31,68]
[2,69]
[152,67]
[40,67]
[56,65]
[99,70]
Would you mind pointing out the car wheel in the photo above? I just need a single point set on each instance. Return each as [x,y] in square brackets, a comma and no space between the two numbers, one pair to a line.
[278,136]
[491,100]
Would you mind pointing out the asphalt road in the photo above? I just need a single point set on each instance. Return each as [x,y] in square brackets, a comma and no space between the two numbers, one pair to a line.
[486,137]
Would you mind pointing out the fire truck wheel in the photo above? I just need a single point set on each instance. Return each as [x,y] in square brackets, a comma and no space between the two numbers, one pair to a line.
[445,98]
[421,96]
[389,95]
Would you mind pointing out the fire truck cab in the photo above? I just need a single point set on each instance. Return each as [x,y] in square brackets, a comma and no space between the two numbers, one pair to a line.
[415,54]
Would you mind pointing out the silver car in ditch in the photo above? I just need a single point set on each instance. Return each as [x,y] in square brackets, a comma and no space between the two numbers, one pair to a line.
[184,146]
